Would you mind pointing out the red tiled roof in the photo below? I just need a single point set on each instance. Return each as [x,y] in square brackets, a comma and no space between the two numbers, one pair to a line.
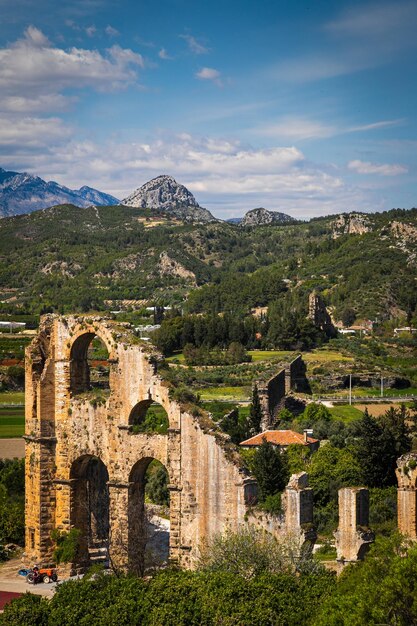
[279,438]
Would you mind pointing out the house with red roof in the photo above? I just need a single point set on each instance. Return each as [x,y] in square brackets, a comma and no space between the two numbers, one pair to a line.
[282,439]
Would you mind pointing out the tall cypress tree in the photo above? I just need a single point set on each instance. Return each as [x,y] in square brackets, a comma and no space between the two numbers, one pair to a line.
[255,413]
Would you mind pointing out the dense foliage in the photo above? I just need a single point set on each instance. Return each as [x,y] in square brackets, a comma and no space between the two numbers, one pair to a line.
[174,598]
[84,259]
[259,589]
[12,499]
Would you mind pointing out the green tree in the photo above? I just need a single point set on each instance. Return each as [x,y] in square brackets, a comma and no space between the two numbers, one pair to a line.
[378,444]
[330,469]
[157,484]
[255,413]
[270,470]
[380,590]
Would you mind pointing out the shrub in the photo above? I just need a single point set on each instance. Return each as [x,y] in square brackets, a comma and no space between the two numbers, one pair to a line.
[67,544]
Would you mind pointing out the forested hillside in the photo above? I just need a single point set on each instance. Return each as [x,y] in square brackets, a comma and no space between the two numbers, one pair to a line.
[66,258]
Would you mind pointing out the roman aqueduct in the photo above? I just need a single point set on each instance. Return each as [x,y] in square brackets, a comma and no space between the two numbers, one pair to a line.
[86,463]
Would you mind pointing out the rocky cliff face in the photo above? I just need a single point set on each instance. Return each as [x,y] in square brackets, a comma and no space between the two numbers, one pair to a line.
[163,193]
[261,216]
[351,224]
[24,193]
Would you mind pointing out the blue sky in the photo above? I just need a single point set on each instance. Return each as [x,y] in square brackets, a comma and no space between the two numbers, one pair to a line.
[303,107]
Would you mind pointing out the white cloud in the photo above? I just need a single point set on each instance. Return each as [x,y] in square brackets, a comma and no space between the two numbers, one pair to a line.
[226,177]
[91,30]
[376,125]
[30,132]
[382,169]
[195,46]
[300,128]
[163,54]
[36,104]
[111,32]
[316,67]
[297,128]
[209,73]
[33,65]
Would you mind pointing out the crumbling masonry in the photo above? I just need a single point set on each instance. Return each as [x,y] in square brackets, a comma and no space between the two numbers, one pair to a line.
[407,495]
[85,465]
[353,536]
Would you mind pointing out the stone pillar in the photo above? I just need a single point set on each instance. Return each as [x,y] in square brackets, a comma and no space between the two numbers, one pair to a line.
[407,494]
[353,536]
[119,525]
[298,511]
[298,504]
[174,465]
[40,497]
[263,396]
[64,490]
[175,547]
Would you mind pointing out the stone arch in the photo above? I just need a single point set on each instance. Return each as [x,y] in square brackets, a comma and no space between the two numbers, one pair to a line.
[140,532]
[139,413]
[90,506]
[78,352]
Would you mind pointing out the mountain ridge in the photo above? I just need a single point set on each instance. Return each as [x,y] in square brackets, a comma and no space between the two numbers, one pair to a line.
[22,193]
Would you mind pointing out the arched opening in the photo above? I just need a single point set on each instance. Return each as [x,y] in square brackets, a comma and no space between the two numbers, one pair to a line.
[90,367]
[149,516]
[90,508]
[149,417]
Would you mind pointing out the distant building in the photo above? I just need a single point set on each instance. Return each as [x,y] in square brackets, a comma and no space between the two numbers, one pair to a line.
[283,439]
[405,329]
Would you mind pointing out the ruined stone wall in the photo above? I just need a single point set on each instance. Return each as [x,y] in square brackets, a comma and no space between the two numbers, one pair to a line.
[407,494]
[295,523]
[272,393]
[208,487]
[318,314]
[270,396]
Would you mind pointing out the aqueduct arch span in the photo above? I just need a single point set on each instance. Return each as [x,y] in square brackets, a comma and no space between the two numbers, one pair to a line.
[76,444]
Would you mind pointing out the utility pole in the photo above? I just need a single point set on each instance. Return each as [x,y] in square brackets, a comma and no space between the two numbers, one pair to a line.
[382,387]
[350,388]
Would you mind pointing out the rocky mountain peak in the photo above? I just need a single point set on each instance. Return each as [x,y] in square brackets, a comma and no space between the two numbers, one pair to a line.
[261,216]
[163,193]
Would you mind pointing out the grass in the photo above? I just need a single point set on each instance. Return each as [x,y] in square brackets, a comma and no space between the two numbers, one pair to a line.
[346,413]
[12,422]
[177,357]
[257,355]
[225,393]
[269,355]
[12,397]
[369,392]
[326,356]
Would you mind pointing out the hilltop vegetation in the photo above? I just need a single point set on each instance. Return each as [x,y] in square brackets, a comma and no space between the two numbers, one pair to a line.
[83,259]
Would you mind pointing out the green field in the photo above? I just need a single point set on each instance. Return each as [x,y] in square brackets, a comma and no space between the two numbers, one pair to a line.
[269,355]
[12,397]
[12,418]
[326,356]
[346,413]
[12,422]
[238,394]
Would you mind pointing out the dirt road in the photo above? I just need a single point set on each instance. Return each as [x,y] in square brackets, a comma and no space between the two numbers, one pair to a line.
[12,448]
